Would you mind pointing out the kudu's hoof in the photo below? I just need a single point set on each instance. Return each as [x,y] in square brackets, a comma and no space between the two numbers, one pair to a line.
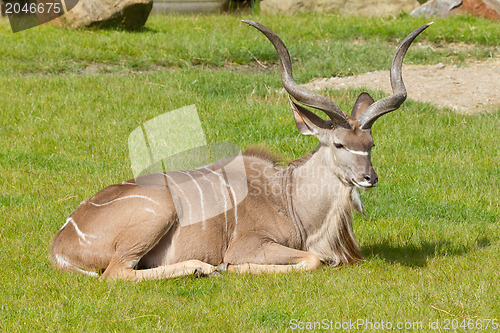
[222,267]
[215,274]
[219,270]
[198,273]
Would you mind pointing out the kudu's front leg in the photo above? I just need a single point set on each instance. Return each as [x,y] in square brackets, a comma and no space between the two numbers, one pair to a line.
[189,267]
[271,258]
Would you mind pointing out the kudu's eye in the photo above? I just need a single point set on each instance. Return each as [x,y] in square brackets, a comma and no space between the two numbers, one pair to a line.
[339,145]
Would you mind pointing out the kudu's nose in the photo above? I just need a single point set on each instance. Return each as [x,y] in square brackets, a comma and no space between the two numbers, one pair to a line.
[371,178]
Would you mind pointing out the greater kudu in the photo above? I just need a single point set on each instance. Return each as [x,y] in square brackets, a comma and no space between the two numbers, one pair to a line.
[292,217]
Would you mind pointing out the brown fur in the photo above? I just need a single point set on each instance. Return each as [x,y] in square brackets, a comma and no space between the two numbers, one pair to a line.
[263,153]
[266,155]
[292,217]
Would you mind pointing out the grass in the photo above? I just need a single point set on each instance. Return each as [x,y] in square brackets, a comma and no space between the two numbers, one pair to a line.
[431,236]
[332,46]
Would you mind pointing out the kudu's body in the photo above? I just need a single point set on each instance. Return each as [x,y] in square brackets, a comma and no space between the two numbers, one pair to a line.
[293,217]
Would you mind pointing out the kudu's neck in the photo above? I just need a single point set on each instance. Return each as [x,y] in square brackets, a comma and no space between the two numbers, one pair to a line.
[322,204]
[316,187]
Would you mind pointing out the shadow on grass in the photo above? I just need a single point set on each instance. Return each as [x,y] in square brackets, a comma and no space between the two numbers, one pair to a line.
[419,255]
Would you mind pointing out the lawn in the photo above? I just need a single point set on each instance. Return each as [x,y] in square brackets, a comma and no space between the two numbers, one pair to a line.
[70,99]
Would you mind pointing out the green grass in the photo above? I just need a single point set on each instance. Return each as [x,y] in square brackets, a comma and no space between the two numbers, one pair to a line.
[431,236]
[332,46]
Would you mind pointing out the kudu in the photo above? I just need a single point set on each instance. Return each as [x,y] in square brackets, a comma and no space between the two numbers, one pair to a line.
[292,218]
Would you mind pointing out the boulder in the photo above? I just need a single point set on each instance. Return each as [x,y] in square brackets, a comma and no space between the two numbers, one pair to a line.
[440,8]
[358,7]
[128,14]
[189,7]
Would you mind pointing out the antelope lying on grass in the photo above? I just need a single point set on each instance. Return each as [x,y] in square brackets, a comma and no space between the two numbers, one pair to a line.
[292,217]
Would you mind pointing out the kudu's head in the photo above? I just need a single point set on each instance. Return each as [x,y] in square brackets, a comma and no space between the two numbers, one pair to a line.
[347,138]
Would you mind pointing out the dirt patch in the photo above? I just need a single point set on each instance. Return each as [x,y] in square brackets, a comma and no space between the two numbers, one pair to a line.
[470,89]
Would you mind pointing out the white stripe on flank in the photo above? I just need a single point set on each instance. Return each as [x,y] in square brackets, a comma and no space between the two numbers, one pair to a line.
[66,223]
[201,196]
[204,175]
[127,197]
[183,194]
[64,262]
[222,184]
[199,187]
[149,210]
[80,234]
[356,152]
[235,204]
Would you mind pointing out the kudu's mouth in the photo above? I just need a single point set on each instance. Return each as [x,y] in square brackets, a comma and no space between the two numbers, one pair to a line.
[364,185]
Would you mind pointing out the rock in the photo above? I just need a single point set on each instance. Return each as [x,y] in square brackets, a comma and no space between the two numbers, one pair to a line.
[189,7]
[483,8]
[436,8]
[359,7]
[128,14]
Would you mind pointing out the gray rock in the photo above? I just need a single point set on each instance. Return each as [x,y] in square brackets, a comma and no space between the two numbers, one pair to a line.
[128,14]
[345,7]
[189,7]
[440,8]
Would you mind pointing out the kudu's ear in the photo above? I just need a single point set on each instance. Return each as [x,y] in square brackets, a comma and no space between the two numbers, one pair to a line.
[307,122]
[362,103]
[302,125]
